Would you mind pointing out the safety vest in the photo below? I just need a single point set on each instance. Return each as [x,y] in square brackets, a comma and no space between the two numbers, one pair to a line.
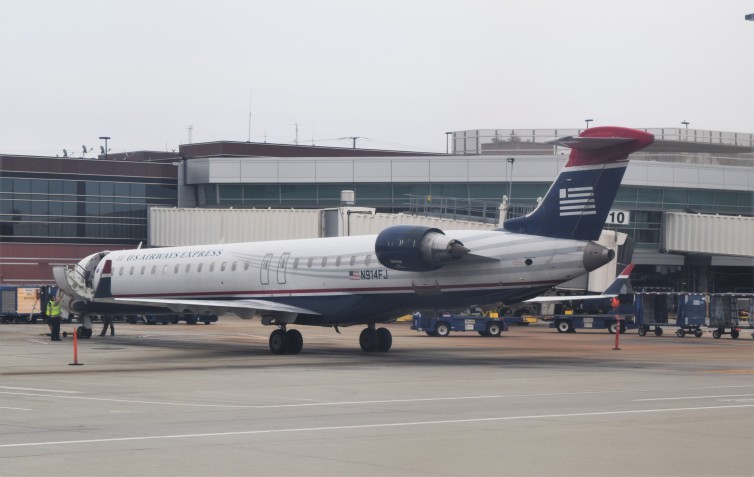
[53,309]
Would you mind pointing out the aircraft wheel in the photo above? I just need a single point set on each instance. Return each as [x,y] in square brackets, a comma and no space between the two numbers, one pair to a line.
[716,334]
[295,341]
[442,329]
[83,332]
[642,331]
[493,329]
[384,339]
[658,331]
[680,333]
[368,340]
[734,334]
[564,326]
[278,341]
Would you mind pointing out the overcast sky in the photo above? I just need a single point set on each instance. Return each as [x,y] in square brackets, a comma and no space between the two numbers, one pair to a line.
[398,73]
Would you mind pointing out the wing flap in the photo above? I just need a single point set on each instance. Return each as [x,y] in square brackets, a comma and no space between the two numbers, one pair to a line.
[229,305]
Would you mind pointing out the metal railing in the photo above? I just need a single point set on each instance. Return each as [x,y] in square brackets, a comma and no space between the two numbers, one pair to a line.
[471,141]
[462,209]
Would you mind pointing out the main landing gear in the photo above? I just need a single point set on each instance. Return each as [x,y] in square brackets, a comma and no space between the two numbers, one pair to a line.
[284,341]
[372,339]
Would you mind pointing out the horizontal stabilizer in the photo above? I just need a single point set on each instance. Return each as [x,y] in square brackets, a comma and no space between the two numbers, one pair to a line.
[589,143]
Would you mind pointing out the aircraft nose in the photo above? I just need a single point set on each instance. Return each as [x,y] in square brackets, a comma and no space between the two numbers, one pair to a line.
[596,255]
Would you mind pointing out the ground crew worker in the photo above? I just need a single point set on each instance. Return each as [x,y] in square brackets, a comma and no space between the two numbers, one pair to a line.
[107,321]
[53,318]
[615,302]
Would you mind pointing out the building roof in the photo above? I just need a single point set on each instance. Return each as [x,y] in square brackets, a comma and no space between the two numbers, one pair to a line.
[258,149]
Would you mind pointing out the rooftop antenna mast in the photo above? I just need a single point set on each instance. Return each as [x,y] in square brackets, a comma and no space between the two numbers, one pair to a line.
[249,138]
[295,141]
[352,138]
[190,129]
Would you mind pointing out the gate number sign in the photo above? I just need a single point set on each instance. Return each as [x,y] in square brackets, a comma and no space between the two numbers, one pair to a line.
[618,217]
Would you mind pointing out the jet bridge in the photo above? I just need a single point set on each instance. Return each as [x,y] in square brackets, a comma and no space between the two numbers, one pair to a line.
[708,234]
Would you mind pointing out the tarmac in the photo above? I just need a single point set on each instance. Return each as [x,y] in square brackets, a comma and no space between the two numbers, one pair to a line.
[212,400]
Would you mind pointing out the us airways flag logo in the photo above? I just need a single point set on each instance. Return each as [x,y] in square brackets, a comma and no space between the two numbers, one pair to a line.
[577,201]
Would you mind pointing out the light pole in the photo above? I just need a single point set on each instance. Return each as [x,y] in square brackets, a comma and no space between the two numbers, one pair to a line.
[510,160]
[587,122]
[105,138]
[686,123]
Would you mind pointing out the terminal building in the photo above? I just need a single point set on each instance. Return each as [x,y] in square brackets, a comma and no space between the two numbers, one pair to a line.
[686,202]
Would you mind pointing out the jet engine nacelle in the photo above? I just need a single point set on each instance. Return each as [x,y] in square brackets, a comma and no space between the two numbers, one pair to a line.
[416,248]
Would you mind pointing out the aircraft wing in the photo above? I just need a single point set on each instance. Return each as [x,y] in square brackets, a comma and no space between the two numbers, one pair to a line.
[239,307]
[555,299]
[618,287]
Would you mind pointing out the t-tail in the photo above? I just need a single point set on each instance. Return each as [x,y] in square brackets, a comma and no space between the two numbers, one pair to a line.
[577,204]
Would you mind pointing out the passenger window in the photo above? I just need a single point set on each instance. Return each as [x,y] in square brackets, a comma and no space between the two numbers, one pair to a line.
[143,267]
[131,272]
[245,265]
[233,267]
[120,271]
[295,263]
[368,260]
[165,269]
[353,260]
[309,263]
[177,267]
[188,267]
[212,266]
[337,262]
[222,267]
[154,269]
[324,261]
[199,268]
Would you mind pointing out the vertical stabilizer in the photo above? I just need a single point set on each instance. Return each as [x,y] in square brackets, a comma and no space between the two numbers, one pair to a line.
[579,200]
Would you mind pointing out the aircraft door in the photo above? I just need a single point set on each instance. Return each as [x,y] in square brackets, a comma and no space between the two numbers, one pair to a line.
[264,270]
[282,265]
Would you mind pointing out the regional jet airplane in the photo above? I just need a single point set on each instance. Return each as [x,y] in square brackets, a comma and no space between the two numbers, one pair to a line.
[366,280]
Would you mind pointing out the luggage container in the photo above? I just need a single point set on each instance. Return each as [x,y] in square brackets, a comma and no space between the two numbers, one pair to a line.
[729,313]
[686,311]
[22,304]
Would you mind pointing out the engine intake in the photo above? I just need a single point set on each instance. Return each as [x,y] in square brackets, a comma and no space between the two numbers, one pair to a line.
[416,248]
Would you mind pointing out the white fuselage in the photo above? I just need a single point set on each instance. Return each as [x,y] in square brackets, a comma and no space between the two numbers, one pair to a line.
[341,278]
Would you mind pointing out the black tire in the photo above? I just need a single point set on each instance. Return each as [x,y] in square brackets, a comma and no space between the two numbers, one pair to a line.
[483,333]
[734,334]
[368,340]
[612,327]
[698,333]
[680,333]
[716,334]
[564,326]
[642,331]
[295,341]
[494,329]
[431,333]
[442,329]
[384,339]
[658,331]
[278,342]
